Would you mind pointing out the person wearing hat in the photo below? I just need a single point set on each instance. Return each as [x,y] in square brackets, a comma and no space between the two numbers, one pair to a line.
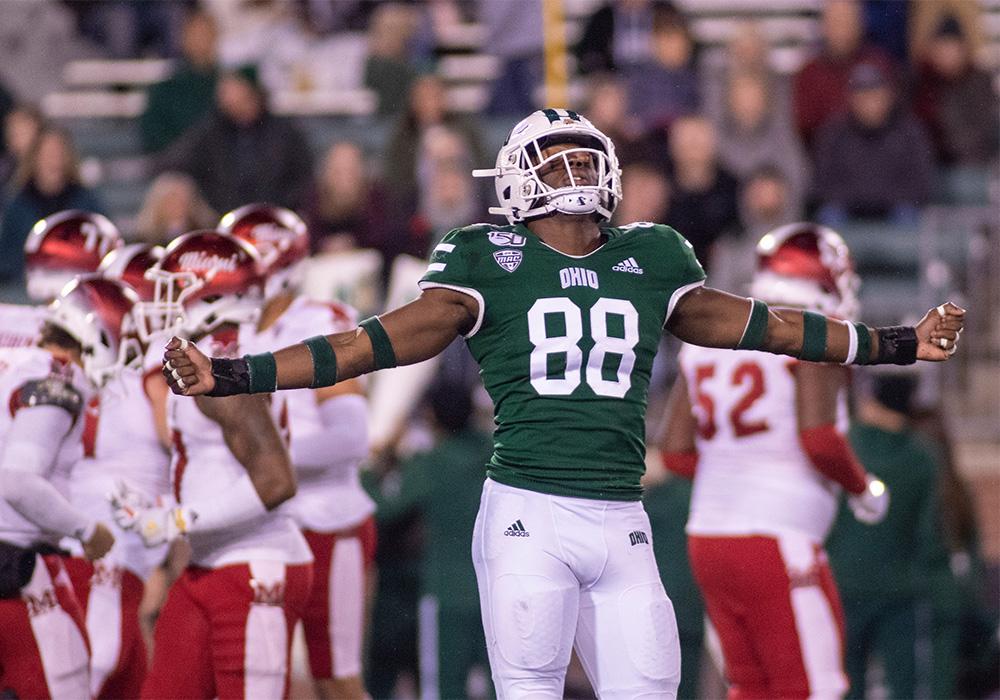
[874,161]
[242,152]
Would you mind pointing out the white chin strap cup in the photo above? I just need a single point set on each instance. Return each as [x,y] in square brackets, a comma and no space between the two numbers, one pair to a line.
[576,202]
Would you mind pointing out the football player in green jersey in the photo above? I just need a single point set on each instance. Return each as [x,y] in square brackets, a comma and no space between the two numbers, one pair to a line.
[564,314]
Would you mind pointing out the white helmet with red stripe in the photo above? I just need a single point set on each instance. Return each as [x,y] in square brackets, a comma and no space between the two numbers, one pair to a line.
[64,245]
[808,266]
[129,264]
[97,312]
[279,235]
[203,280]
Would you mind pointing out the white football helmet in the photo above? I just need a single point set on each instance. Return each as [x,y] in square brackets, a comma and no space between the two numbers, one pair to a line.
[520,190]
[97,312]
[809,266]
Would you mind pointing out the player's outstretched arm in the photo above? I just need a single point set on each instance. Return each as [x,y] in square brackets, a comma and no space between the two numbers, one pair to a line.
[713,318]
[412,333]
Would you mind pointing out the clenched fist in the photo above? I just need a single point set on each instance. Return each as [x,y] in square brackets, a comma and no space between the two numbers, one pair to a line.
[938,332]
[187,369]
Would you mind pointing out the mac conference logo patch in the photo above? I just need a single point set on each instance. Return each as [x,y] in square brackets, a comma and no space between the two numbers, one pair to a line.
[508,259]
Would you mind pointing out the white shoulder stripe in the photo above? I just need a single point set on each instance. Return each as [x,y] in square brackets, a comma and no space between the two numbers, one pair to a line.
[436,267]
[444,247]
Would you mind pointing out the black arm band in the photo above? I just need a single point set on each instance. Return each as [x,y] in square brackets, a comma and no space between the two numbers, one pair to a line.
[897,345]
[385,356]
[324,361]
[231,377]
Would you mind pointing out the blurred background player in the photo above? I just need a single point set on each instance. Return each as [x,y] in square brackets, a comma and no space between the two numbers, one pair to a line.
[43,648]
[327,430]
[226,627]
[762,436]
[57,249]
[883,571]
[121,441]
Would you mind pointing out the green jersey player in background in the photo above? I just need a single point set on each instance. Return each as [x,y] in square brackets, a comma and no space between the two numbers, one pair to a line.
[564,314]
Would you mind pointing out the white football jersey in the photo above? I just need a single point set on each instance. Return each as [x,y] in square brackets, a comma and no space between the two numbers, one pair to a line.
[332,499]
[120,443]
[753,477]
[20,324]
[202,468]
[18,367]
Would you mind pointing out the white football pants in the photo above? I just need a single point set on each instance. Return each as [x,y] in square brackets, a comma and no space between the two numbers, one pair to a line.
[555,572]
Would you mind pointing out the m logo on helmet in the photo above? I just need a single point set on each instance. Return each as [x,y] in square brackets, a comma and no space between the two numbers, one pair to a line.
[508,259]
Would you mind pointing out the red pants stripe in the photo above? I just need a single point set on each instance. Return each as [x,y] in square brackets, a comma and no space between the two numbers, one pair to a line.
[43,644]
[775,607]
[334,619]
[226,632]
[110,596]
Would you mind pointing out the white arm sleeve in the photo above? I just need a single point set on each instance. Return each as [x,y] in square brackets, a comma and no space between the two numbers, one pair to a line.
[343,440]
[36,434]
[238,503]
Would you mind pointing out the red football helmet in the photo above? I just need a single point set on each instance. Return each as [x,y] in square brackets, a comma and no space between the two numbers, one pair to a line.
[281,237]
[203,279]
[130,264]
[809,266]
[97,312]
[64,245]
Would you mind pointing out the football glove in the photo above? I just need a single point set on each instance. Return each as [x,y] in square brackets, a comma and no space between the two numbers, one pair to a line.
[156,523]
[871,505]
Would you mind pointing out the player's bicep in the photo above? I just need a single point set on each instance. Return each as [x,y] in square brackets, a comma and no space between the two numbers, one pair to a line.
[426,326]
[817,388]
[710,318]
[679,424]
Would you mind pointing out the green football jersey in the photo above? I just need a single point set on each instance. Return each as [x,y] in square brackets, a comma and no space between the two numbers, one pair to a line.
[565,346]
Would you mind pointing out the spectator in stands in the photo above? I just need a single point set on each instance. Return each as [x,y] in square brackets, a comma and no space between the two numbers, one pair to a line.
[172,206]
[20,127]
[753,134]
[427,107]
[448,197]
[925,19]
[648,195]
[515,35]
[747,51]
[47,181]
[609,110]
[704,195]
[241,152]
[345,209]
[820,89]
[175,104]
[766,202]
[955,99]
[618,34]
[875,161]
[129,29]
[879,569]
[664,86]
[387,70]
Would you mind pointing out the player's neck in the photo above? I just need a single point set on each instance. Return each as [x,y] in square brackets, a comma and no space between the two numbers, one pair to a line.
[571,234]
[273,309]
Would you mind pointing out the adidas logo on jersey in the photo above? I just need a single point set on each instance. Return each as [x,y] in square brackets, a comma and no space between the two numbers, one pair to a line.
[628,265]
[516,530]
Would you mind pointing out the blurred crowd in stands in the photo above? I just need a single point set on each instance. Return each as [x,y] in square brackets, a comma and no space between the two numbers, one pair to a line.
[891,112]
